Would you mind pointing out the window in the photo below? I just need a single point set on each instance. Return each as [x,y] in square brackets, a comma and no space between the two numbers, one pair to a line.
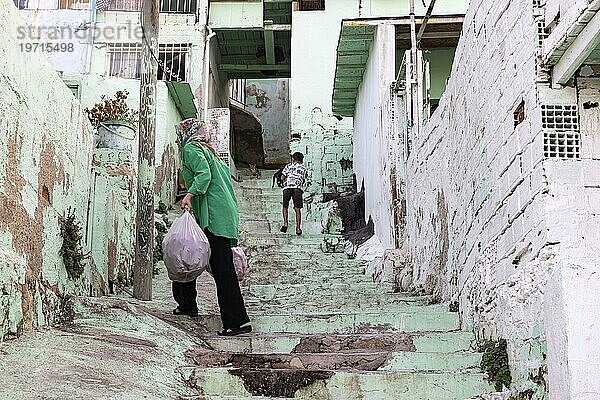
[166,6]
[20,4]
[74,89]
[124,61]
[311,5]
[74,4]
[173,62]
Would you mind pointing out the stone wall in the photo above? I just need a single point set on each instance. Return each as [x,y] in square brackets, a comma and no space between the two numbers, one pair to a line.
[45,160]
[499,215]
[477,190]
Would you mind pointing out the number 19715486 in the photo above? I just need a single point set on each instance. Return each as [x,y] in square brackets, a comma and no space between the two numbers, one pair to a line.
[47,47]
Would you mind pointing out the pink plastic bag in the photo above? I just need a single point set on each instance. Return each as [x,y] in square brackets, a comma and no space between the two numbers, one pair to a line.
[186,251]
[240,262]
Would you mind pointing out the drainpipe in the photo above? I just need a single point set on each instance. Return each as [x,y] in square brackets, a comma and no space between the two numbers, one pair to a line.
[210,35]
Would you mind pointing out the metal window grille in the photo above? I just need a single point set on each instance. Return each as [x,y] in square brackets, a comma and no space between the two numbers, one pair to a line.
[560,117]
[564,145]
[124,5]
[166,6]
[73,4]
[173,61]
[124,60]
[311,5]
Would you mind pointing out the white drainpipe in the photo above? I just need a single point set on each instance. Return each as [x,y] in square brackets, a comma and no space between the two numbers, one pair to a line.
[206,91]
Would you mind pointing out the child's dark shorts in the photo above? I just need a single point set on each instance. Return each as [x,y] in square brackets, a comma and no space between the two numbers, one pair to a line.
[295,194]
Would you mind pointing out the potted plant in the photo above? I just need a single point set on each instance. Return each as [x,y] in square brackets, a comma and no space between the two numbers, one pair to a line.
[115,121]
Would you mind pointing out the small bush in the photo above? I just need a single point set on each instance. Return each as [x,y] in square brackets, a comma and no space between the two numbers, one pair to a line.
[71,250]
[495,363]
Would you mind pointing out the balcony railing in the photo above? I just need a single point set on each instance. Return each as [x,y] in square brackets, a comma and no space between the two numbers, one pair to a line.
[166,6]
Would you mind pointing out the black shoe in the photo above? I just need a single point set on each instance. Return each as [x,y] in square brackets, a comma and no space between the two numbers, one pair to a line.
[299,232]
[177,311]
[235,331]
[284,229]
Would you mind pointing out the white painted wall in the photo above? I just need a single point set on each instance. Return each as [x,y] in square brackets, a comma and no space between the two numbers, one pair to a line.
[273,111]
[372,141]
[60,27]
[315,131]
[494,224]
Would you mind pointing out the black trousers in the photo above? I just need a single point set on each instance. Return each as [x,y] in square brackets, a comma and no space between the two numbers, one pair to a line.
[231,303]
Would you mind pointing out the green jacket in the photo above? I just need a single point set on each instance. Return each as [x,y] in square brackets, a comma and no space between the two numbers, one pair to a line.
[208,178]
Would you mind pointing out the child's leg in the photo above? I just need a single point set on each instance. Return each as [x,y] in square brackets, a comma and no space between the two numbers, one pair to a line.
[285,216]
[298,207]
[286,203]
[298,219]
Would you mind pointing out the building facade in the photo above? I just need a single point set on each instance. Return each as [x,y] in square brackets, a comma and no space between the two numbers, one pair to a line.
[490,191]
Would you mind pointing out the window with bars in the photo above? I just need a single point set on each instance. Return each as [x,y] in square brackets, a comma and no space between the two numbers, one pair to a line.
[166,6]
[124,61]
[74,4]
[311,5]
[173,62]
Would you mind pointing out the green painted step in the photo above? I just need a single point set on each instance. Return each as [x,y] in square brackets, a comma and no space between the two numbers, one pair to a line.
[321,385]
[381,322]
[329,290]
[425,342]
[355,360]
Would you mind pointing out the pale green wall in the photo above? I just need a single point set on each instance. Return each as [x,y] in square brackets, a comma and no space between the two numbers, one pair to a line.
[392,8]
[45,161]
[440,66]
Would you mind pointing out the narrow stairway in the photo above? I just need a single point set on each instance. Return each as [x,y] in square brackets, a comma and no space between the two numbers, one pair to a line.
[324,330]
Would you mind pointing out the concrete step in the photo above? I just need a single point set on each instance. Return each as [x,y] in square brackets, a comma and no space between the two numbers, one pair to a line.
[424,342]
[382,322]
[339,291]
[350,360]
[321,385]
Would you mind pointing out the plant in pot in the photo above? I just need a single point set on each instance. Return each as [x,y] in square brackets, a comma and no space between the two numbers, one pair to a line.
[115,121]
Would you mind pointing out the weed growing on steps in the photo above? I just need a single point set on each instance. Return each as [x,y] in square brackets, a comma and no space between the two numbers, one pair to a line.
[526,395]
[71,249]
[495,363]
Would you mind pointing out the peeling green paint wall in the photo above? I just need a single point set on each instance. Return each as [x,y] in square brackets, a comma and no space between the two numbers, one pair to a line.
[45,159]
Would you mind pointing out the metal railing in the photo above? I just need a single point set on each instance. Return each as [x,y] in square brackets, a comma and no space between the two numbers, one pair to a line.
[124,60]
[311,5]
[166,6]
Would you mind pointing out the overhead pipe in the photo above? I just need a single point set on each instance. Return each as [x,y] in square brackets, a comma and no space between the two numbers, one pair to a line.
[425,20]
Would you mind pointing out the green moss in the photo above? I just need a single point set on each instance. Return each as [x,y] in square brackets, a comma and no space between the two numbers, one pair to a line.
[71,250]
[495,363]
[162,208]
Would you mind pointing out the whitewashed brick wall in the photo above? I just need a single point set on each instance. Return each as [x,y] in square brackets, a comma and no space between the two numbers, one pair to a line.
[475,186]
